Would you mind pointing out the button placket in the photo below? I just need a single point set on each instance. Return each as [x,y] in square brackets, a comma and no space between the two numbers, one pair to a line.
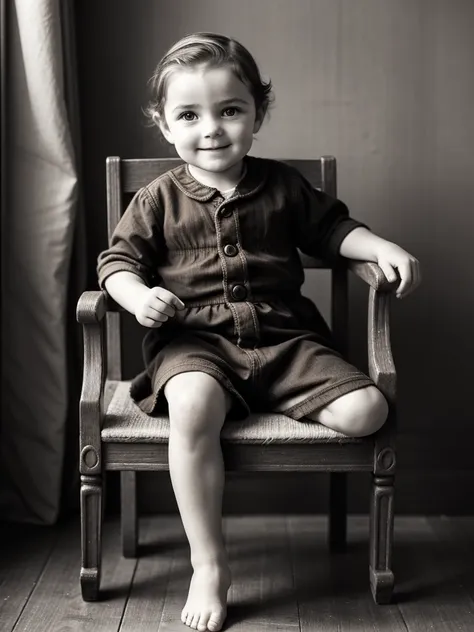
[235,271]
[234,266]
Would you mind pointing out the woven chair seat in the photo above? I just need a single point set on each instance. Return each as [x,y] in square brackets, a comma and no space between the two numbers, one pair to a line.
[125,423]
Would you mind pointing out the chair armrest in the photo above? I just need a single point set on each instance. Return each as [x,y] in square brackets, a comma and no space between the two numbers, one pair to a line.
[93,305]
[380,359]
[372,274]
[91,309]
[381,364]
[382,371]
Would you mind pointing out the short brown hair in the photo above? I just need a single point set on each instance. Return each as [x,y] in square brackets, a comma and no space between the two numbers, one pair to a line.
[215,50]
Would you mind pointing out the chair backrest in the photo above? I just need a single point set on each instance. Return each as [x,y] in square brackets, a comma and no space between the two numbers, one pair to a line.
[126,176]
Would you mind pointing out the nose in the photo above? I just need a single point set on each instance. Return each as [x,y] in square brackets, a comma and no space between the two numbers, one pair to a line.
[212,127]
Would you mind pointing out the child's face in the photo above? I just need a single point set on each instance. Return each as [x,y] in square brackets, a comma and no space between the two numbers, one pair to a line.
[210,117]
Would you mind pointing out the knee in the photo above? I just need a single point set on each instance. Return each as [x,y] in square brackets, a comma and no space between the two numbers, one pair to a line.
[364,412]
[197,406]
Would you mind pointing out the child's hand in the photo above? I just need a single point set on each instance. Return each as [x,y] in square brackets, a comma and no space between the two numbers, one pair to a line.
[391,258]
[155,306]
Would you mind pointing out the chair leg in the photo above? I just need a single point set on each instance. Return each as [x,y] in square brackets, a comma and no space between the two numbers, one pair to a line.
[381,538]
[91,536]
[337,511]
[129,518]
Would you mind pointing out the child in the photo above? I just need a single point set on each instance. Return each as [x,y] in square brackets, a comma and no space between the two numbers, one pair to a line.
[206,257]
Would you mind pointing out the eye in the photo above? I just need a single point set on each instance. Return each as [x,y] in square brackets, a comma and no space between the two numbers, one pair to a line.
[187,116]
[230,111]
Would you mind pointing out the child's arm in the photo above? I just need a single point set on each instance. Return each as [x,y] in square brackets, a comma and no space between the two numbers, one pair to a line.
[126,288]
[151,306]
[127,268]
[364,245]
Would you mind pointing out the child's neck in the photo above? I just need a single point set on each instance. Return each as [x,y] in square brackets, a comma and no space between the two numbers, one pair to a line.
[220,181]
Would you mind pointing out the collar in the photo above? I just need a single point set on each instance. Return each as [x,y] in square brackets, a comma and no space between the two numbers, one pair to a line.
[253,181]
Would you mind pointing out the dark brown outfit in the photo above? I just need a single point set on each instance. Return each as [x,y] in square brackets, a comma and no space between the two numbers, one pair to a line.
[234,263]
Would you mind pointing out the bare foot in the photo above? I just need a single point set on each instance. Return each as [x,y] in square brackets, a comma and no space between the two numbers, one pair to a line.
[206,606]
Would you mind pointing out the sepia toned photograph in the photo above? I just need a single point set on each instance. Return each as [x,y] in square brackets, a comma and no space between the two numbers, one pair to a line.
[235,327]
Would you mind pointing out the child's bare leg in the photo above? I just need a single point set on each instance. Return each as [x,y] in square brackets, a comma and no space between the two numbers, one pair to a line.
[356,414]
[197,409]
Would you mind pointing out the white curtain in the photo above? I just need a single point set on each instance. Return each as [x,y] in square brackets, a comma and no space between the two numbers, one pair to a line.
[39,229]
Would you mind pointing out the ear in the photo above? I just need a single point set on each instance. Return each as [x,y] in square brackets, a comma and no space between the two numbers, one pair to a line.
[260,115]
[161,122]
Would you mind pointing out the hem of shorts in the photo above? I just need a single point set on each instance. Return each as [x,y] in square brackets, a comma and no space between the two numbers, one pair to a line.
[210,369]
[307,406]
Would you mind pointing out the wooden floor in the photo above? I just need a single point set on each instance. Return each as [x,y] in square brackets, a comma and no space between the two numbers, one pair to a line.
[284,578]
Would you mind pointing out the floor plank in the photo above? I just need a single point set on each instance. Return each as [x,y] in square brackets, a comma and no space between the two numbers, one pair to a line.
[24,552]
[262,596]
[56,603]
[430,596]
[333,589]
[177,590]
[284,578]
[158,539]
[456,538]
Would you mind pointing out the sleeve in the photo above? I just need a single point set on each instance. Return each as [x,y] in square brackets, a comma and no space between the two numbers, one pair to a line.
[137,244]
[323,222]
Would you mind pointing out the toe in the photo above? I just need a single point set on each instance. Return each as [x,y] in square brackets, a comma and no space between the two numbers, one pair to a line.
[215,622]
[202,625]
[195,622]
[189,619]
[184,616]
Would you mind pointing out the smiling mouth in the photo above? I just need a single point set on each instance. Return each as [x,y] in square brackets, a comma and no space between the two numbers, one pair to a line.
[214,148]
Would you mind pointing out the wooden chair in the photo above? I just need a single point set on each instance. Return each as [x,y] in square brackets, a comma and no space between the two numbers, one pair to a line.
[115,435]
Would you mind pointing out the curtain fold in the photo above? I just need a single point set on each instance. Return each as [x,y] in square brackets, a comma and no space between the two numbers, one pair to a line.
[42,273]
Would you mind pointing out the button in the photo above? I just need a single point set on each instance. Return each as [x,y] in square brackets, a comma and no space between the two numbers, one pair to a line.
[226,212]
[239,292]
[230,250]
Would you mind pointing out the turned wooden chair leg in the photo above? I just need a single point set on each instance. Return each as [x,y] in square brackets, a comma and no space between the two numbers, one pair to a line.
[129,517]
[381,539]
[91,536]
[337,511]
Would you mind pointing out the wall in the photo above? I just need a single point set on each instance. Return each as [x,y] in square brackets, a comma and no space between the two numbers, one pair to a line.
[387,87]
